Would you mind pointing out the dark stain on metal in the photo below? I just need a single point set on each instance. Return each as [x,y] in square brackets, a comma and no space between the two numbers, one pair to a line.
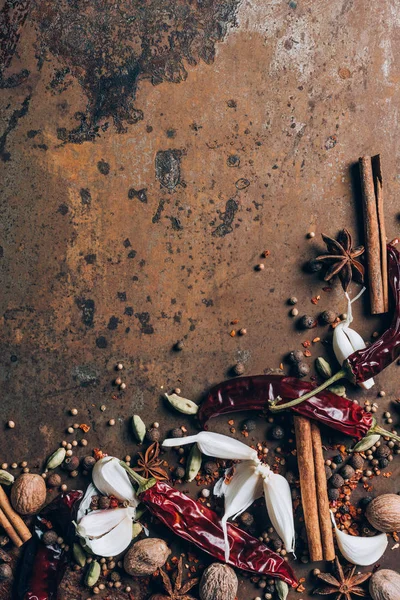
[176,224]
[101,342]
[121,296]
[12,124]
[86,196]
[12,18]
[168,168]
[227,219]
[139,194]
[233,160]
[144,320]
[85,375]
[157,216]
[109,46]
[242,184]
[103,167]
[87,306]
[63,209]
[132,254]
[113,323]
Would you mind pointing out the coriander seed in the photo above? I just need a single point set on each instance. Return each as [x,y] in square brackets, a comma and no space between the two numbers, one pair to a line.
[294,312]
[111,422]
[122,386]
[118,381]
[120,366]
[70,430]
[74,411]
[11,424]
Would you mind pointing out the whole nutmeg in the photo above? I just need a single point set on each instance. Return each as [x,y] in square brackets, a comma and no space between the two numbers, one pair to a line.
[50,537]
[347,472]
[302,369]
[336,480]
[71,463]
[53,480]
[384,513]
[145,556]
[385,585]
[295,356]
[357,461]
[28,494]
[5,572]
[219,582]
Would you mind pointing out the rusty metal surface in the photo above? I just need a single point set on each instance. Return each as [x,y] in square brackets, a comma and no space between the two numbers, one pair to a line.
[150,153]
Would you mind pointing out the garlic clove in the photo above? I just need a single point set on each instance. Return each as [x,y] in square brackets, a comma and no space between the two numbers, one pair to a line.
[84,506]
[278,499]
[114,542]
[358,550]
[242,489]
[112,480]
[216,445]
[99,522]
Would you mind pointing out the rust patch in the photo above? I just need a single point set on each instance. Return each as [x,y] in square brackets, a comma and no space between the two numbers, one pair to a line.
[108,46]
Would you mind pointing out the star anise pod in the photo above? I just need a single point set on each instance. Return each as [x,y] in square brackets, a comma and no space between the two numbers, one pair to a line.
[343,585]
[342,259]
[178,590]
[150,465]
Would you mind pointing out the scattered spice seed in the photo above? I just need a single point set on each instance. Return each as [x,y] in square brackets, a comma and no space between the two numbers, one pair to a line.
[120,366]
[118,381]
[311,235]
[308,322]
[239,369]
[293,300]
[11,424]
[74,411]
[242,331]
[294,312]
[111,422]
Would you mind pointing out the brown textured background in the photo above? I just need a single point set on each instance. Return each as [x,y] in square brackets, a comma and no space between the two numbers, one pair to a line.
[93,273]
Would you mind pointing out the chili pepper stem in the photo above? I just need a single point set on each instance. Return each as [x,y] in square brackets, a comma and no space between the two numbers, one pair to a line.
[385,433]
[144,484]
[278,407]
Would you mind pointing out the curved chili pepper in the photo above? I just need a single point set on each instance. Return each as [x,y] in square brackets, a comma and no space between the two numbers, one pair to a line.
[42,568]
[368,362]
[256,393]
[201,526]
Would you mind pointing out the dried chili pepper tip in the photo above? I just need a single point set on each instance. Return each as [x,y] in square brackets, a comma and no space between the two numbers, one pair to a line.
[307,322]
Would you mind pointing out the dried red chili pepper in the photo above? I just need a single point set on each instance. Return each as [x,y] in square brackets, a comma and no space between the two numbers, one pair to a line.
[201,526]
[365,364]
[257,392]
[41,567]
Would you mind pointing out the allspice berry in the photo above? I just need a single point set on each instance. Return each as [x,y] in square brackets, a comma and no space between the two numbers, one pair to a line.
[153,435]
[176,433]
[347,472]
[179,473]
[53,480]
[145,556]
[327,317]
[302,369]
[210,467]
[308,322]
[50,537]
[247,519]
[336,480]
[357,461]
[88,463]
[71,463]
[5,572]
[295,357]
[219,582]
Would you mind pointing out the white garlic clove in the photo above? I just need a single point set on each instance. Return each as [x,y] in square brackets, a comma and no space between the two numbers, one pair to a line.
[358,550]
[278,499]
[216,445]
[111,479]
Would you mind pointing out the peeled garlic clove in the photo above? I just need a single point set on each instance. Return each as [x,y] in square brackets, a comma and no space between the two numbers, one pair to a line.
[216,445]
[112,480]
[242,489]
[99,522]
[278,499]
[114,542]
[358,550]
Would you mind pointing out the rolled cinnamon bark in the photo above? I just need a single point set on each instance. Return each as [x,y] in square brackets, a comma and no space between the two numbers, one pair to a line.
[305,459]
[16,522]
[374,232]
[325,523]
[9,530]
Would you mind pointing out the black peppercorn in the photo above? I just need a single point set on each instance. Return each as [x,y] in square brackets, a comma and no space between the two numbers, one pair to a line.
[210,467]
[308,322]
[383,463]
[5,572]
[368,531]
[328,472]
[336,480]
[115,576]
[153,435]
[365,501]
[249,425]
[382,451]
[50,537]
[238,369]
[104,502]
[179,346]
[327,317]
[333,494]
[295,356]
[247,519]
[338,459]
[88,463]
[313,266]
[347,472]
[179,473]
[278,432]
[71,463]
[94,502]
[277,543]
[176,433]
[302,369]
[357,461]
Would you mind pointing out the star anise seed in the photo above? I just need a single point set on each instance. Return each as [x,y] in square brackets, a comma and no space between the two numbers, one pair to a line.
[178,590]
[342,585]
[342,259]
[150,465]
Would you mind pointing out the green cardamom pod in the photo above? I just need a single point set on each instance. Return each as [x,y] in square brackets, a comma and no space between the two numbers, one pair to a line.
[92,574]
[183,405]
[56,459]
[79,555]
[193,463]
[138,428]
[282,589]
[337,389]
[136,529]
[366,443]
[6,478]
[323,367]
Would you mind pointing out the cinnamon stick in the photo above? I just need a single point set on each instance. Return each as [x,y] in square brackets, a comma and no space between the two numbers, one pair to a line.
[374,232]
[305,459]
[325,523]
[13,518]
[9,530]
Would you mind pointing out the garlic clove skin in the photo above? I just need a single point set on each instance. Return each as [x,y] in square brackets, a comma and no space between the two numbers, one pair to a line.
[362,551]
[216,445]
[278,499]
[244,487]
[112,480]
[385,585]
